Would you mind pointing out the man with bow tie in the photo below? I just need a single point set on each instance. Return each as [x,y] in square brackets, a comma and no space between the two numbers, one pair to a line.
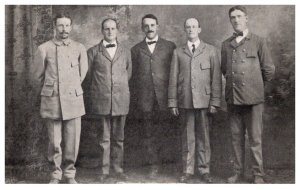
[247,67]
[194,91]
[151,60]
[108,94]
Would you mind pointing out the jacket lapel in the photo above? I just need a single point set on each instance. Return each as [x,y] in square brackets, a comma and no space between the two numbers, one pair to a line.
[187,51]
[145,49]
[158,46]
[118,53]
[199,49]
[234,44]
[104,51]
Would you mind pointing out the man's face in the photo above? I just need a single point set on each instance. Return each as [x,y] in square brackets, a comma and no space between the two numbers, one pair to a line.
[192,28]
[239,20]
[63,27]
[110,31]
[150,28]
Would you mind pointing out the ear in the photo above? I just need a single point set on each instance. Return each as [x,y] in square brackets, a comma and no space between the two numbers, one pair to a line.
[199,30]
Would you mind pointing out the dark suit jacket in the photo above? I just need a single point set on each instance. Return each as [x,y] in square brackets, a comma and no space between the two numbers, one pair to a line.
[107,81]
[195,79]
[151,73]
[246,66]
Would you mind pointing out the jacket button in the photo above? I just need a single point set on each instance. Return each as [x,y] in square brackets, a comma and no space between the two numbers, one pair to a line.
[243,73]
[232,72]
[243,61]
[243,84]
[233,50]
[233,61]
[233,84]
[244,50]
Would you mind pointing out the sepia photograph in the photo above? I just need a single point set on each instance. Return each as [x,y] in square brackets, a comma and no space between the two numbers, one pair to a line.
[149,94]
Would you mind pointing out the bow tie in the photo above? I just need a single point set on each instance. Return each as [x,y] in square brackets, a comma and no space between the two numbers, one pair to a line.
[110,45]
[152,42]
[236,34]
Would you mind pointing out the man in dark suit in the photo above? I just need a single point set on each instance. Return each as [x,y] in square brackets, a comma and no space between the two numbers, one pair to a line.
[195,88]
[247,67]
[151,60]
[108,75]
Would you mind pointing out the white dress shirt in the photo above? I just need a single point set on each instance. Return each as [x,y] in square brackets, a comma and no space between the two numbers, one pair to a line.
[240,38]
[112,50]
[152,46]
[190,45]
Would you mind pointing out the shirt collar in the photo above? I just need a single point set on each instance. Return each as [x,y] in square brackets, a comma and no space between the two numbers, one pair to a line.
[197,43]
[106,43]
[65,42]
[154,39]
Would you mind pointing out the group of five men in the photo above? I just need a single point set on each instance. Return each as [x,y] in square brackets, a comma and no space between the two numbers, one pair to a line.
[185,81]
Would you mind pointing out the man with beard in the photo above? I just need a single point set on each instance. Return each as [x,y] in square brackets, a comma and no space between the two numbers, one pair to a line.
[59,67]
[151,60]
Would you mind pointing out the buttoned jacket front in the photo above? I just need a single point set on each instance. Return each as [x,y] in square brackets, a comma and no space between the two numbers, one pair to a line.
[59,68]
[151,73]
[108,79]
[195,79]
[246,66]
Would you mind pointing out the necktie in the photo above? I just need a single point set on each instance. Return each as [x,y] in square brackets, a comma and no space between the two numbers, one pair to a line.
[152,42]
[110,45]
[238,34]
[193,49]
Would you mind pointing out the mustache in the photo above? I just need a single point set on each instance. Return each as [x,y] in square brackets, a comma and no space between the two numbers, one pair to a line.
[150,31]
[64,33]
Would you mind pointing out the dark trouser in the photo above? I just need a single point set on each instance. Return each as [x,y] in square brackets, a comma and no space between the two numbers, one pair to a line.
[70,131]
[111,138]
[242,118]
[195,140]
[155,124]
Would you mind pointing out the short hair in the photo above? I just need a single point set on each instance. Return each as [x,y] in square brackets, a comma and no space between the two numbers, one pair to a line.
[61,15]
[192,18]
[238,7]
[150,16]
[107,19]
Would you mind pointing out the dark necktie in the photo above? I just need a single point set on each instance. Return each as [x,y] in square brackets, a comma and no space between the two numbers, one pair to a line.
[193,49]
[238,34]
[110,45]
[152,42]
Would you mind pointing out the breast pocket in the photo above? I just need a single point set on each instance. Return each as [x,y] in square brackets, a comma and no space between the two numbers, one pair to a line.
[251,53]
[204,65]
[74,63]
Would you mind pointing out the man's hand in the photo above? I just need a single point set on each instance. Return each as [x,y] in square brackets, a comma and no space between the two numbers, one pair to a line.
[174,111]
[212,109]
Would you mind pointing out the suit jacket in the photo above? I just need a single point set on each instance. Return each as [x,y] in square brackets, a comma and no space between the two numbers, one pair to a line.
[246,66]
[151,73]
[195,79]
[107,81]
[59,68]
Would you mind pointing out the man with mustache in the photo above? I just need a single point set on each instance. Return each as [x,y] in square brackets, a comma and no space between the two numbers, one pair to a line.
[195,88]
[151,60]
[59,67]
[247,67]
[108,76]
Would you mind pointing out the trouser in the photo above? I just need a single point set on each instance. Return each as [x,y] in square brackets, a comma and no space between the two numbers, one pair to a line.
[195,141]
[69,130]
[111,138]
[154,127]
[242,118]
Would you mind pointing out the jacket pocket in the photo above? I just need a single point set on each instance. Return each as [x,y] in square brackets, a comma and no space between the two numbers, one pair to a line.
[208,90]
[79,91]
[251,54]
[205,65]
[49,82]
[74,63]
[47,92]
